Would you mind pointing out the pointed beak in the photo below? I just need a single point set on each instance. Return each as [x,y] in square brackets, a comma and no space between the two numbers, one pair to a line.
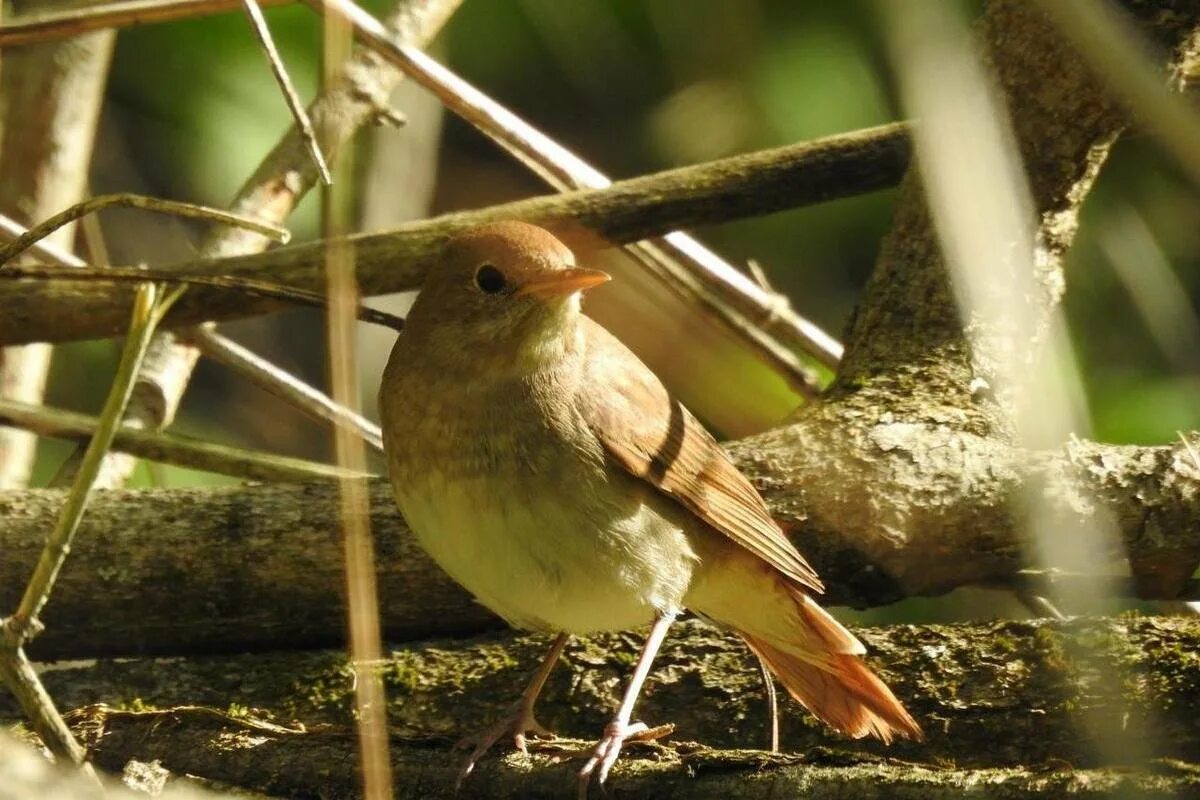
[557,283]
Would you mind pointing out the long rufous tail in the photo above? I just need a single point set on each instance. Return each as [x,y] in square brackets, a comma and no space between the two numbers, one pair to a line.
[820,663]
[843,693]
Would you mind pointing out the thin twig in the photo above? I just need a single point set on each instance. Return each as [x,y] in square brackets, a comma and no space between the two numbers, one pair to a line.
[170,448]
[235,283]
[10,231]
[12,250]
[303,123]
[278,382]
[152,302]
[772,704]
[30,28]
[565,171]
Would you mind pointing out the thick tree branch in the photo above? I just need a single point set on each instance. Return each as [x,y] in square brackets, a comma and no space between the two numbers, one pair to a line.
[640,208]
[899,510]
[1019,709]
[907,340]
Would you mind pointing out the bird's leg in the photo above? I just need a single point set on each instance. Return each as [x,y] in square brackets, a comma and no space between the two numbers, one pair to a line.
[519,721]
[619,730]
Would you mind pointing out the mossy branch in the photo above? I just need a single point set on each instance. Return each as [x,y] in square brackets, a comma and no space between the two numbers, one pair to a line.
[1014,709]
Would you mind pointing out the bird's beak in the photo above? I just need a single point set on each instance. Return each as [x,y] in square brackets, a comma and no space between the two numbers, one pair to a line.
[559,282]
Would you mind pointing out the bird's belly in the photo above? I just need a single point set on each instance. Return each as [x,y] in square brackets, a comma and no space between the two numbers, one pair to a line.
[545,563]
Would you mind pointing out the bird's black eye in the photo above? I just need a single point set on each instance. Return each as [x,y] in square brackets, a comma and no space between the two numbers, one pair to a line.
[490,280]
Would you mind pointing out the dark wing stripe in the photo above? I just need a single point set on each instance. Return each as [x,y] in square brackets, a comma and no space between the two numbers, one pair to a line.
[658,440]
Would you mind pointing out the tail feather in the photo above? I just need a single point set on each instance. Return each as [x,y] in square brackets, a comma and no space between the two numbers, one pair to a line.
[812,654]
[842,692]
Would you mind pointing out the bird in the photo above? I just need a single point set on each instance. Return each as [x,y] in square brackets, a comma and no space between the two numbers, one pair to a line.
[548,471]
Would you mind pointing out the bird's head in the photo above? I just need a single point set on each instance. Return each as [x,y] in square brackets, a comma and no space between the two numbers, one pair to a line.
[507,290]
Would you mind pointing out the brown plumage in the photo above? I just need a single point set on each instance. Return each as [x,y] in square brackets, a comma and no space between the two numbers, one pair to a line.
[655,438]
[550,472]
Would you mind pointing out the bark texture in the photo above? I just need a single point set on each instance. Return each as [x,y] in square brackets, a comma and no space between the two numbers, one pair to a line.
[1014,709]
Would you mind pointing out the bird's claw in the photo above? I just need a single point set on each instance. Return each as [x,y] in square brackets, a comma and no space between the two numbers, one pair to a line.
[605,753]
[519,722]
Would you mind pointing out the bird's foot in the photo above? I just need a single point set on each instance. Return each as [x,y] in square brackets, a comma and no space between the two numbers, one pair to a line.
[519,722]
[605,753]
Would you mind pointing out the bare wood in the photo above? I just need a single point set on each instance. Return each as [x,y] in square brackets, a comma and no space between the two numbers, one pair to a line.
[51,104]
[30,28]
[718,191]
[1002,702]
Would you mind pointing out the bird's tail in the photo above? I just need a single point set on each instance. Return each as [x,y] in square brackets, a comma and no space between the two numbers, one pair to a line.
[842,692]
[817,660]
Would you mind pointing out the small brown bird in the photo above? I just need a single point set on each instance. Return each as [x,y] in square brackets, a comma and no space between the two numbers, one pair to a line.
[548,471]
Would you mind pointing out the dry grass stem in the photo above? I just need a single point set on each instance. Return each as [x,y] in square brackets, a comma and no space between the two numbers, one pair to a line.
[125,199]
[152,302]
[303,123]
[370,702]
[30,28]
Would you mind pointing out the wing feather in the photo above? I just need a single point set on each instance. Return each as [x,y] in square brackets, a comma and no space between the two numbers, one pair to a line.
[652,436]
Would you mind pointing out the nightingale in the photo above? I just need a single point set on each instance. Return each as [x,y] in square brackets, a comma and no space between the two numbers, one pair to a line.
[549,472]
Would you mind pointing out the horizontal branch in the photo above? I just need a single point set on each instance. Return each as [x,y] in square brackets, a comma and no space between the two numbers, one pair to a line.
[1013,709]
[640,208]
[883,512]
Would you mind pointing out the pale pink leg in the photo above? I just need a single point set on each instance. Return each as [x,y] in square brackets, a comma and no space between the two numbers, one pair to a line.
[619,730]
[520,720]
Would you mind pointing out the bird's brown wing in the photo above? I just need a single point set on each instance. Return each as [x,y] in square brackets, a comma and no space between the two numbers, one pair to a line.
[654,437]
